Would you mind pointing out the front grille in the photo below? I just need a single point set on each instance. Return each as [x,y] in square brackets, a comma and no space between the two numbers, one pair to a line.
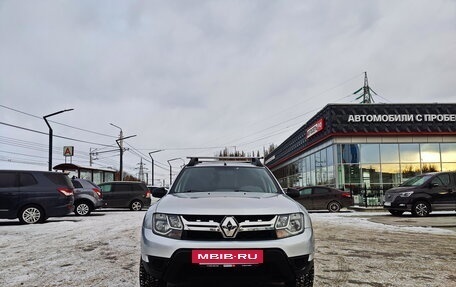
[209,227]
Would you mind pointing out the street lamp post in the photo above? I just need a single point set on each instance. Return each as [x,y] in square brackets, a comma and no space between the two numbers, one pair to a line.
[151,158]
[50,134]
[170,169]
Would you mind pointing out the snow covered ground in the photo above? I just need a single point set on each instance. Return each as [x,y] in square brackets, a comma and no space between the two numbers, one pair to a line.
[103,250]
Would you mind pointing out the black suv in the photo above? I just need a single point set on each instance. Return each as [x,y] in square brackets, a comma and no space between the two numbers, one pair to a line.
[423,194]
[132,194]
[33,196]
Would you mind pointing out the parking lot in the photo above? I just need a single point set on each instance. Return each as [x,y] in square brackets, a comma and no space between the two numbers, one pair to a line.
[352,249]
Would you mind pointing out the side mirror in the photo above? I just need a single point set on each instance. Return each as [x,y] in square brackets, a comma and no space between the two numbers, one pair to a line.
[159,192]
[292,192]
[433,184]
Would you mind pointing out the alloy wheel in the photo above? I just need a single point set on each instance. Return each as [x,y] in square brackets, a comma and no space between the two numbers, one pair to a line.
[31,215]
[82,209]
[421,209]
[136,206]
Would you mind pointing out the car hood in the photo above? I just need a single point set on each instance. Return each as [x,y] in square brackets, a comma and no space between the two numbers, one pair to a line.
[234,203]
[401,189]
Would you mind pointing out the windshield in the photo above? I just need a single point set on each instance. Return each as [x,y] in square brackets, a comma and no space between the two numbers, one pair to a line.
[225,178]
[417,180]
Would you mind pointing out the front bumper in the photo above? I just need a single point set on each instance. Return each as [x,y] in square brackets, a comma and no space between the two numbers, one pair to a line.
[170,259]
[159,246]
[276,267]
[399,204]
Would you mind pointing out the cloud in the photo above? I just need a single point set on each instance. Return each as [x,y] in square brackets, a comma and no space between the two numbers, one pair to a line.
[183,74]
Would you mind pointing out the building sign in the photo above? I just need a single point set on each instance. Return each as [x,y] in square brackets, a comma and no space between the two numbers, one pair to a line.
[315,128]
[68,150]
[386,118]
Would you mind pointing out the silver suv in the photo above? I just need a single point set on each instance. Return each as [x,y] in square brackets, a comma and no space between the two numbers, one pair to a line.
[224,221]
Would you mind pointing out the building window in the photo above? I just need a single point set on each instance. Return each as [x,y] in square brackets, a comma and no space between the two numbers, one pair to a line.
[349,153]
[391,175]
[369,153]
[409,153]
[448,151]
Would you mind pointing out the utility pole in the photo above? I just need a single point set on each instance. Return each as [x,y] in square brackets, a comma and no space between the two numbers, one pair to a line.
[92,156]
[366,96]
[120,144]
[121,148]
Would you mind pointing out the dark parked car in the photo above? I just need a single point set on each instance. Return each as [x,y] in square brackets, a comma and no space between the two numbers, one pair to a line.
[153,188]
[132,194]
[87,196]
[322,197]
[423,194]
[33,196]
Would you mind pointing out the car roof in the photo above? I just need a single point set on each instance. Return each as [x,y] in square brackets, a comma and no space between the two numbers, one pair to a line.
[214,164]
[225,161]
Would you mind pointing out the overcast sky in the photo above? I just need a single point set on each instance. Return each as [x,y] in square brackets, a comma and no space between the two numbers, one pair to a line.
[191,77]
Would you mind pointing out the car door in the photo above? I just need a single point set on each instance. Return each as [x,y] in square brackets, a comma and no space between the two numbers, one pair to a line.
[320,197]
[441,191]
[121,194]
[108,196]
[305,197]
[9,194]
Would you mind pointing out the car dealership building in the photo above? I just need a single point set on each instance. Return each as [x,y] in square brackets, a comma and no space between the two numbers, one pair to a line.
[367,148]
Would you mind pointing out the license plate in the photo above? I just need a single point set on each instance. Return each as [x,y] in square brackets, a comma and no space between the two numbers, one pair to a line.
[387,203]
[227,256]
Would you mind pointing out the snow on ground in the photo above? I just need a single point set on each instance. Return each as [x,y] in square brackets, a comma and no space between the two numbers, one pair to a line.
[103,249]
[364,220]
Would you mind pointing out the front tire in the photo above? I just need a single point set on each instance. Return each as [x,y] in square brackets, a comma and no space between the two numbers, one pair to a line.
[146,280]
[334,206]
[136,205]
[421,208]
[31,214]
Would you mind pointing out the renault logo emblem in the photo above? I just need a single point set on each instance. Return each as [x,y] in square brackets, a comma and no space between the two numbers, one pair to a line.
[229,227]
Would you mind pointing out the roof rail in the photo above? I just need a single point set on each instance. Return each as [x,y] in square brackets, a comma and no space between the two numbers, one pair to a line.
[253,160]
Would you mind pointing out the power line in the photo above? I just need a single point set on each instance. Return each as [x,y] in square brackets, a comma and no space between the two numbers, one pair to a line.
[57,136]
[69,126]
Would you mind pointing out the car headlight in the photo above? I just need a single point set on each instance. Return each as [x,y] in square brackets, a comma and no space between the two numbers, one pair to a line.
[406,194]
[289,225]
[167,225]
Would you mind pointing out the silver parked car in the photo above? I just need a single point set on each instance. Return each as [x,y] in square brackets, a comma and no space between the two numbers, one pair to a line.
[223,221]
[87,196]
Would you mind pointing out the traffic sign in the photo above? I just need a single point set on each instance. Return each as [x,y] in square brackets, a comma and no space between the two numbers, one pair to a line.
[68,150]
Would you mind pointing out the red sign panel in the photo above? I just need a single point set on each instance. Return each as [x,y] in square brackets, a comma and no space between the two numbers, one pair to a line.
[315,128]
[227,256]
